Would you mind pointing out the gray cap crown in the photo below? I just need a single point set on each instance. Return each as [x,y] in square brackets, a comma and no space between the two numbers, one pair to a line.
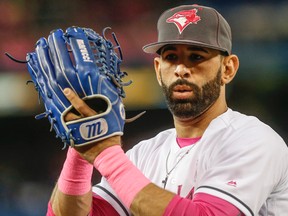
[193,25]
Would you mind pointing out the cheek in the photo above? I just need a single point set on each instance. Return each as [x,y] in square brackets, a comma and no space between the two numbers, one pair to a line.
[165,75]
[166,79]
[206,73]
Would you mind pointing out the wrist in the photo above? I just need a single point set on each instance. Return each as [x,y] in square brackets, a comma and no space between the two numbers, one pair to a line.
[91,152]
[121,174]
[76,174]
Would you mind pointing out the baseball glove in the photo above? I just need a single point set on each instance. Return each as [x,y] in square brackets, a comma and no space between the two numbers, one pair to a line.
[89,64]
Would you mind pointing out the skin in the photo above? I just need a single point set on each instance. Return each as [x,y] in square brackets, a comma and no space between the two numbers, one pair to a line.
[199,67]
[63,204]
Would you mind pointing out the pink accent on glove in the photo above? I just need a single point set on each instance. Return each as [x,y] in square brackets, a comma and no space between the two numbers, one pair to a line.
[76,174]
[120,173]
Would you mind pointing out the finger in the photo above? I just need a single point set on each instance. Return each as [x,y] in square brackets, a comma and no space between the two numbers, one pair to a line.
[78,103]
[71,116]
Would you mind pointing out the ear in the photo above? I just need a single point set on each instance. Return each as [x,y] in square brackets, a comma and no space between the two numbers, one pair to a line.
[231,65]
[157,67]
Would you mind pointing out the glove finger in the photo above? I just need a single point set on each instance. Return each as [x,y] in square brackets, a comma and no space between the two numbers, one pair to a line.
[37,77]
[48,73]
[84,58]
[65,72]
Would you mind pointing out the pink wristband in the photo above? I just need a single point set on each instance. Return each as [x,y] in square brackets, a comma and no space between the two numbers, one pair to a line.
[76,174]
[120,173]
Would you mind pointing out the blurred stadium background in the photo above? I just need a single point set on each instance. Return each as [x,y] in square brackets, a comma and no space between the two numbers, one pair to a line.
[31,156]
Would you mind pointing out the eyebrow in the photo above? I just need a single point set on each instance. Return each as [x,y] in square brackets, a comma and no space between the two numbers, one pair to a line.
[190,48]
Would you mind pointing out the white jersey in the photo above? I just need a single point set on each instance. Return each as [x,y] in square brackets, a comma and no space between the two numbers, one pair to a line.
[238,159]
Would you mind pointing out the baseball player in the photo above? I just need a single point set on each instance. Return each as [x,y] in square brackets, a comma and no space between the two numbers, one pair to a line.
[215,161]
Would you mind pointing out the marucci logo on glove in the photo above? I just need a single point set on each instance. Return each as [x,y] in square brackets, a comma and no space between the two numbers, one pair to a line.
[83,50]
[93,129]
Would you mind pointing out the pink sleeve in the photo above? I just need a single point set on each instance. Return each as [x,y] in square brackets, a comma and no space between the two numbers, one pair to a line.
[49,210]
[102,207]
[99,207]
[201,205]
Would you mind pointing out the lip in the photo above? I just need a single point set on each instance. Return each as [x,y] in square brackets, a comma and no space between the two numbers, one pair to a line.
[182,92]
[182,88]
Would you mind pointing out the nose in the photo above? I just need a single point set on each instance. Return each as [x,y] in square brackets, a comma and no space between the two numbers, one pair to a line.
[182,71]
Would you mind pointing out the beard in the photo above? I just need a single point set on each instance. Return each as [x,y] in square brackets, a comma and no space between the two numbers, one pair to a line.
[202,98]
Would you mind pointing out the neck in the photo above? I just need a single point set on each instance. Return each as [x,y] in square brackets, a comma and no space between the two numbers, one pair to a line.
[195,126]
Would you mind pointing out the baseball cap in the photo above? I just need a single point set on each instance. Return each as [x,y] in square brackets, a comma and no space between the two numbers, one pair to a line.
[193,25]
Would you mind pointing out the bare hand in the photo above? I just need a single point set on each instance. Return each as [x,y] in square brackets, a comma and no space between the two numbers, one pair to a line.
[91,151]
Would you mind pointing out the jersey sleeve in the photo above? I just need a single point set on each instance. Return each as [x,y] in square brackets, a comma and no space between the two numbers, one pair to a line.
[49,210]
[104,190]
[245,169]
[201,205]
[102,207]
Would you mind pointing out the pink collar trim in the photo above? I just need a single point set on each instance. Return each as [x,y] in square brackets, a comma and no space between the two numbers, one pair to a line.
[183,142]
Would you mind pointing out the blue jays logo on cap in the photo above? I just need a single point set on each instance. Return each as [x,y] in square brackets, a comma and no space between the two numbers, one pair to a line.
[184,18]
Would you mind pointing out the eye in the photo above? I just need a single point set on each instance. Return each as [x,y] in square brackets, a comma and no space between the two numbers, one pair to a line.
[196,57]
[170,57]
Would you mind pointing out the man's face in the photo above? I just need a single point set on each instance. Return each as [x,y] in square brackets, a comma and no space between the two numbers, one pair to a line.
[190,78]
[203,97]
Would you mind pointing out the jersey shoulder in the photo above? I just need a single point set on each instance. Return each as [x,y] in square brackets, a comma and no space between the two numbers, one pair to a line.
[250,125]
[248,132]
